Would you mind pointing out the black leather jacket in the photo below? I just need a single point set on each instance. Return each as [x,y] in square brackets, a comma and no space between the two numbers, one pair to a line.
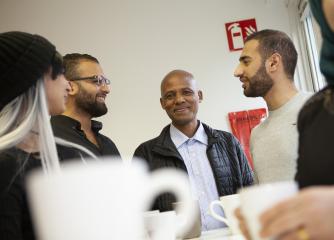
[227,159]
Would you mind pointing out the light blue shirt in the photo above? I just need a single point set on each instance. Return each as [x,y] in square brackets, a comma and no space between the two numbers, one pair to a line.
[202,182]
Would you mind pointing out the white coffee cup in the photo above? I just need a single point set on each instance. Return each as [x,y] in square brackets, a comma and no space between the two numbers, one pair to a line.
[147,222]
[229,203]
[196,229]
[101,200]
[258,198]
[161,225]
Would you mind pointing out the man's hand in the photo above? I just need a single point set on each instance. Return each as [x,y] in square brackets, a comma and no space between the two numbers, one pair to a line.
[242,224]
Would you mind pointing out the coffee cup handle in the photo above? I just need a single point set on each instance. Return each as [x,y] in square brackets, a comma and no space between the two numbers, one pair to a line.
[215,215]
[176,182]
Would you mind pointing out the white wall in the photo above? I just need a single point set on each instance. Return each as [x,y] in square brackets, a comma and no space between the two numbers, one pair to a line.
[139,41]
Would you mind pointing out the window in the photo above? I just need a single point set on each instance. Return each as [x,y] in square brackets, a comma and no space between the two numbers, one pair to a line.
[313,42]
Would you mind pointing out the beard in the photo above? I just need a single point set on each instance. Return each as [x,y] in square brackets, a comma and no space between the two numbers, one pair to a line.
[259,84]
[88,103]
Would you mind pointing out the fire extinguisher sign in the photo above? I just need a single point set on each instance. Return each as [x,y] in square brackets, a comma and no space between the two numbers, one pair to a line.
[238,31]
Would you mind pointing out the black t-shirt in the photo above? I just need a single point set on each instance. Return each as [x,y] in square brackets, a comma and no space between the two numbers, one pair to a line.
[69,129]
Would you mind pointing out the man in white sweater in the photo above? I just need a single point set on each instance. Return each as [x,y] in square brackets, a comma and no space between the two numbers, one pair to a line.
[266,69]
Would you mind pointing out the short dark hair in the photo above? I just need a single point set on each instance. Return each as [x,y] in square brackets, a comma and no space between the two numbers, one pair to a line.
[71,62]
[274,41]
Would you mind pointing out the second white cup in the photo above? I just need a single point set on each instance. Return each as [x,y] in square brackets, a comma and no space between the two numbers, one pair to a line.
[229,204]
[258,198]
[161,225]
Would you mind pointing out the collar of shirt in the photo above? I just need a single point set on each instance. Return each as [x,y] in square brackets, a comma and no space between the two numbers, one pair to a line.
[179,138]
[68,121]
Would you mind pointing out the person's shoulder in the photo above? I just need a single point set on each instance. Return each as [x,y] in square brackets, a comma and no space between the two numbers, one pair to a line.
[8,160]
[258,128]
[8,154]
[160,138]
[149,143]
[108,143]
[105,138]
[316,104]
[303,97]
[144,149]
[217,132]
[63,126]
[223,133]
[318,97]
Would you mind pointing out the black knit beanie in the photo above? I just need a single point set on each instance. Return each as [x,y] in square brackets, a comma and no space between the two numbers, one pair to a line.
[24,58]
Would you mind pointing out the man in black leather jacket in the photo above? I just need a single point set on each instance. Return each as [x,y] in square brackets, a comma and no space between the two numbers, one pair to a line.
[214,160]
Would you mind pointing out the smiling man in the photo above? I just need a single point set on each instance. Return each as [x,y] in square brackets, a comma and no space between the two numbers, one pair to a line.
[86,100]
[213,159]
[266,69]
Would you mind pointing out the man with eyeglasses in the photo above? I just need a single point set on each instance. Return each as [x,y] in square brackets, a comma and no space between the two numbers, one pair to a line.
[86,100]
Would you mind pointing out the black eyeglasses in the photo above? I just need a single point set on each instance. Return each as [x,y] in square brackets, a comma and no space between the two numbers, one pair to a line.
[97,80]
